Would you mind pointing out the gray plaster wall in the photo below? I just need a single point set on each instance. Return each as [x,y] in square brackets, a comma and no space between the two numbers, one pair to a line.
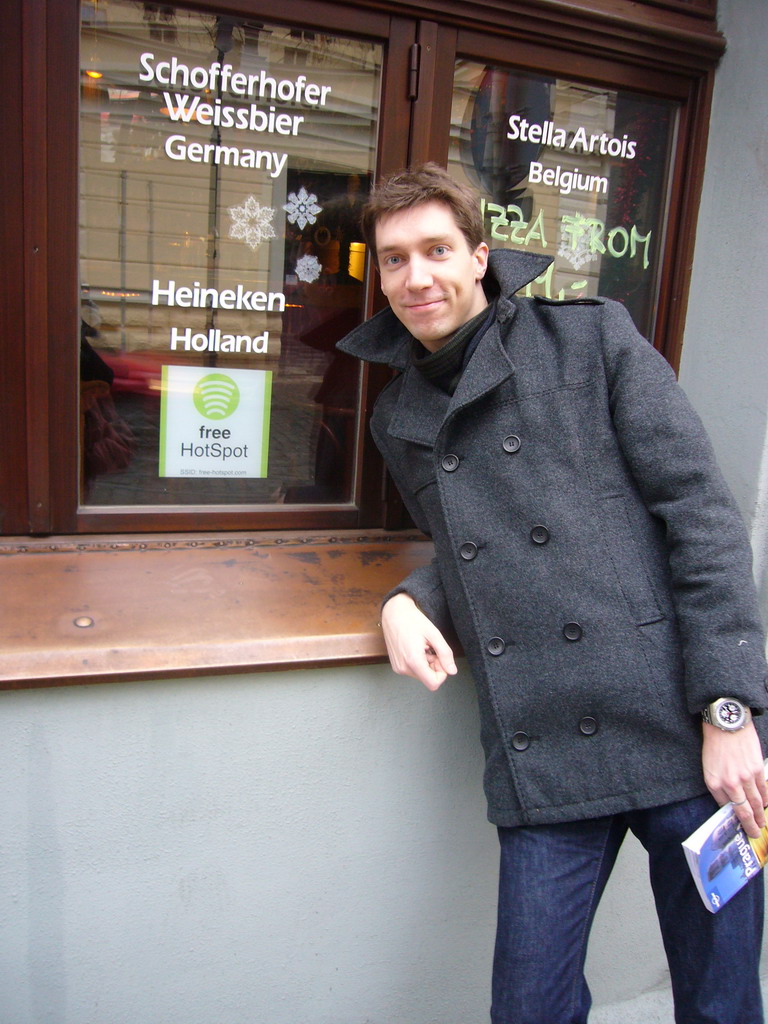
[724,371]
[724,366]
[311,847]
[288,848]
[296,848]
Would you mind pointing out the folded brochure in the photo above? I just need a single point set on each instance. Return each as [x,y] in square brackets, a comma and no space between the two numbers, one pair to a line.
[723,858]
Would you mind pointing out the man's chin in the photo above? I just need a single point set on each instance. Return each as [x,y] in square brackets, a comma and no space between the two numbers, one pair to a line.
[430,335]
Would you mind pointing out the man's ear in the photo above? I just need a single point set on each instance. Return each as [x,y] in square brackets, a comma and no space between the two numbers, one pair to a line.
[481,260]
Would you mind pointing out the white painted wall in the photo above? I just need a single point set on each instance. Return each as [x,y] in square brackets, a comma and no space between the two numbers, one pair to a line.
[311,847]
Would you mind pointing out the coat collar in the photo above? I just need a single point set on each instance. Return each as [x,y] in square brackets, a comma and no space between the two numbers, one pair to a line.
[422,409]
[383,339]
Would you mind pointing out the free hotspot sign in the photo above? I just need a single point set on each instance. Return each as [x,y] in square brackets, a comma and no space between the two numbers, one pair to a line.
[214,422]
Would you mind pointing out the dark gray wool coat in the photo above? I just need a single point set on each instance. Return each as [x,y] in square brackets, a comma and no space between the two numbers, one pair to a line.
[588,552]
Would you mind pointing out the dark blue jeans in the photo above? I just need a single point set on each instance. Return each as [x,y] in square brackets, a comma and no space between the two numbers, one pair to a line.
[552,878]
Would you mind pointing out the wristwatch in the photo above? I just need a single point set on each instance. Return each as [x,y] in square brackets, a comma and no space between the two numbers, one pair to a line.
[727,713]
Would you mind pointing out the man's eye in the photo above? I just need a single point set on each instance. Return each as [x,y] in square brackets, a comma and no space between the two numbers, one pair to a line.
[391,261]
[440,250]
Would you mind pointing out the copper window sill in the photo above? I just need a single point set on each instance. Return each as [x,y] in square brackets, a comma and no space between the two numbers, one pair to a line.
[112,609]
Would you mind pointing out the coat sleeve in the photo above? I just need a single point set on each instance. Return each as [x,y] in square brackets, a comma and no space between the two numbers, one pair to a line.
[425,587]
[710,559]
[424,584]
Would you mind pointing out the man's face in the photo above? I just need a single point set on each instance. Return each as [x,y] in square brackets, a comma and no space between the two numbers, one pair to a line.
[432,279]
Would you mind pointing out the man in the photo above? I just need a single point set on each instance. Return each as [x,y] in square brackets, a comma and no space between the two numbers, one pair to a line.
[597,573]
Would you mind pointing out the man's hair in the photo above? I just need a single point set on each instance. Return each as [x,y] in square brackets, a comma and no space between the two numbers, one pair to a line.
[424,183]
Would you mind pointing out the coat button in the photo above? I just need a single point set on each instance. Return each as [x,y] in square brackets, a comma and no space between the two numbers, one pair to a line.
[539,535]
[588,725]
[511,443]
[521,741]
[468,551]
[572,631]
[450,463]
[496,646]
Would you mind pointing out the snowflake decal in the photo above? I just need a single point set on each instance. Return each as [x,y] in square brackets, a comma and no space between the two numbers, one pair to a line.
[308,268]
[576,245]
[577,253]
[302,208]
[251,223]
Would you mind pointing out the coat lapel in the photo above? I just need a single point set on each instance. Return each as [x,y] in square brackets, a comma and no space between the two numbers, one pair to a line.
[420,410]
[489,367]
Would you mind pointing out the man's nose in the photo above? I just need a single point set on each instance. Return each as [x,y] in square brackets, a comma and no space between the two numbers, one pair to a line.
[419,273]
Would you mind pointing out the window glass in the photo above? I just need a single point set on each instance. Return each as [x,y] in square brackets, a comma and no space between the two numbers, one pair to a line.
[574,171]
[223,163]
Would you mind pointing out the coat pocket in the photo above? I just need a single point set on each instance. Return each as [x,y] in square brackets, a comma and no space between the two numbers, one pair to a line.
[628,564]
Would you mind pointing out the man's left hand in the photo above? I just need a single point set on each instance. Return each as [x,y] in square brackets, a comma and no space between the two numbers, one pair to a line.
[733,770]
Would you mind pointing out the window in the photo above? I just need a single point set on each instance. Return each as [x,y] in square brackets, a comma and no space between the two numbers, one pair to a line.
[179,234]
[572,170]
[223,165]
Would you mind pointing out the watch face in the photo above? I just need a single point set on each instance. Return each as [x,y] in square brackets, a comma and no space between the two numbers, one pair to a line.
[730,713]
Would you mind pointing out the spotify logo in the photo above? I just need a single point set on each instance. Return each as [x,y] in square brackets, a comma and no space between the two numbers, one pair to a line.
[214,422]
[216,396]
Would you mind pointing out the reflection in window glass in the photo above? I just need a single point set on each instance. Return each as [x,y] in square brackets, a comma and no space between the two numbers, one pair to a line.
[223,166]
[574,171]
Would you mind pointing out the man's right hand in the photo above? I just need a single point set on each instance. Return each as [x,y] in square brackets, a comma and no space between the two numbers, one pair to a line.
[415,646]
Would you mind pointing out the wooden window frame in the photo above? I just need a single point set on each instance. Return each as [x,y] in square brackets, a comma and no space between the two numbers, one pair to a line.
[668,49]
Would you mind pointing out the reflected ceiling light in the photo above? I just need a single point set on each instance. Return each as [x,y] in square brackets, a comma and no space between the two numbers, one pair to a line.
[192,114]
[93,74]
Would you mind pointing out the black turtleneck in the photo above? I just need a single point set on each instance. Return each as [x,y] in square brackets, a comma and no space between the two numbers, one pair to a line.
[445,366]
